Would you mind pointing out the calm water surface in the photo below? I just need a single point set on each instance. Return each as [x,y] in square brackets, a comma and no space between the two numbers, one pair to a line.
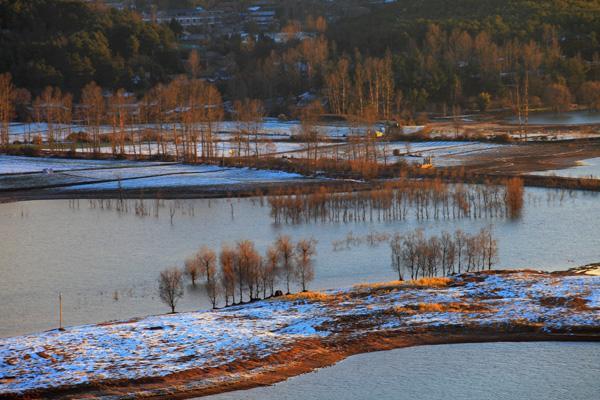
[106,263]
[588,168]
[494,371]
[568,118]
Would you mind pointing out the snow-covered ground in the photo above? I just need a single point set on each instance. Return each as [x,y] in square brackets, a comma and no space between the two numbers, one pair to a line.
[161,345]
[17,164]
[443,153]
[270,128]
[206,176]
[93,174]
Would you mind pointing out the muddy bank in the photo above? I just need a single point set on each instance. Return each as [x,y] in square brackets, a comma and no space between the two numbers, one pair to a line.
[524,158]
[195,354]
[303,358]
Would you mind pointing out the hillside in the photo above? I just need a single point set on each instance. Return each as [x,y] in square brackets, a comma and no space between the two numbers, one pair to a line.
[69,43]
[395,25]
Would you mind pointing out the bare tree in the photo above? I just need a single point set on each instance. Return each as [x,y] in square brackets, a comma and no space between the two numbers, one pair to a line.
[558,97]
[270,268]
[193,64]
[448,252]
[227,259]
[192,269]
[170,287]
[207,260]
[460,243]
[396,245]
[285,248]
[514,197]
[213,289]
[247,268]
[490,247]
[93,109]
[305,271]
[6,106]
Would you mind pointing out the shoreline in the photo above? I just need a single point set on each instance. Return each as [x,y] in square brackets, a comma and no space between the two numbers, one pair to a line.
[309,356]
[292,335]
[271,188]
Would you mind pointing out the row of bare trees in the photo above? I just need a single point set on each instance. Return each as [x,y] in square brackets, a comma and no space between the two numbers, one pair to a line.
[419,256]
[6,107]
[368,92]
[180,119]
[240,273]
[429,199]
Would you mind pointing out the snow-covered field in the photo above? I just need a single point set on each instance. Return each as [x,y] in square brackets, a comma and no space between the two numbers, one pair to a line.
[161,345]
[92,174]
[443,153]
[270,128]
[205,176]
[17,164]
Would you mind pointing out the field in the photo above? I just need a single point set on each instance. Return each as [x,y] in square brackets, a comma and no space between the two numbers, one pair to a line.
[34,173]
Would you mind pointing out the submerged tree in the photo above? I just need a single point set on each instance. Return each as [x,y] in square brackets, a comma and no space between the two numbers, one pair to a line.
[170,287]
[285,248]
[227,259]
[192,269]
[207,260]
[514,197]
[304,271]
[396,246]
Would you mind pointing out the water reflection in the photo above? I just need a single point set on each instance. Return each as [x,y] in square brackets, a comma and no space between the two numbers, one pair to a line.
[105,257]
[465,371]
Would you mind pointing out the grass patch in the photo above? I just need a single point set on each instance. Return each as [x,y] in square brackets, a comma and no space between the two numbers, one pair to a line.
[310,296]
[430,282]
[423,282]
[380,285]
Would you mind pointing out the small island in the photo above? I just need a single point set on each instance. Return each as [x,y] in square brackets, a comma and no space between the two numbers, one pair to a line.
[263,342]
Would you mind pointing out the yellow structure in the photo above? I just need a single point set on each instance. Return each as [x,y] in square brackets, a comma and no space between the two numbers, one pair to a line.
[427,163]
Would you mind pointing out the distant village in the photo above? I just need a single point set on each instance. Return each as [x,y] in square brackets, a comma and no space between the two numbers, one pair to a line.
[228,18]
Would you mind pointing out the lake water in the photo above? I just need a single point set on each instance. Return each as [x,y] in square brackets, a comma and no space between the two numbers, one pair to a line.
[568,118]
[494,371]
[106,263]
[588,168]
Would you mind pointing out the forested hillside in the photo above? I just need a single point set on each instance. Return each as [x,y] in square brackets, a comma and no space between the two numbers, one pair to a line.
[396,59]
[395,25]
[446,50]
[70,43]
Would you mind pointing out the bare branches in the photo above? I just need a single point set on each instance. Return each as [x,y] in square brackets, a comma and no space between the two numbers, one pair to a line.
[514,197]
[429,199]
[285,249]
[7,91]
[445,255]
[170,287]
[305,272]
[243,273]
